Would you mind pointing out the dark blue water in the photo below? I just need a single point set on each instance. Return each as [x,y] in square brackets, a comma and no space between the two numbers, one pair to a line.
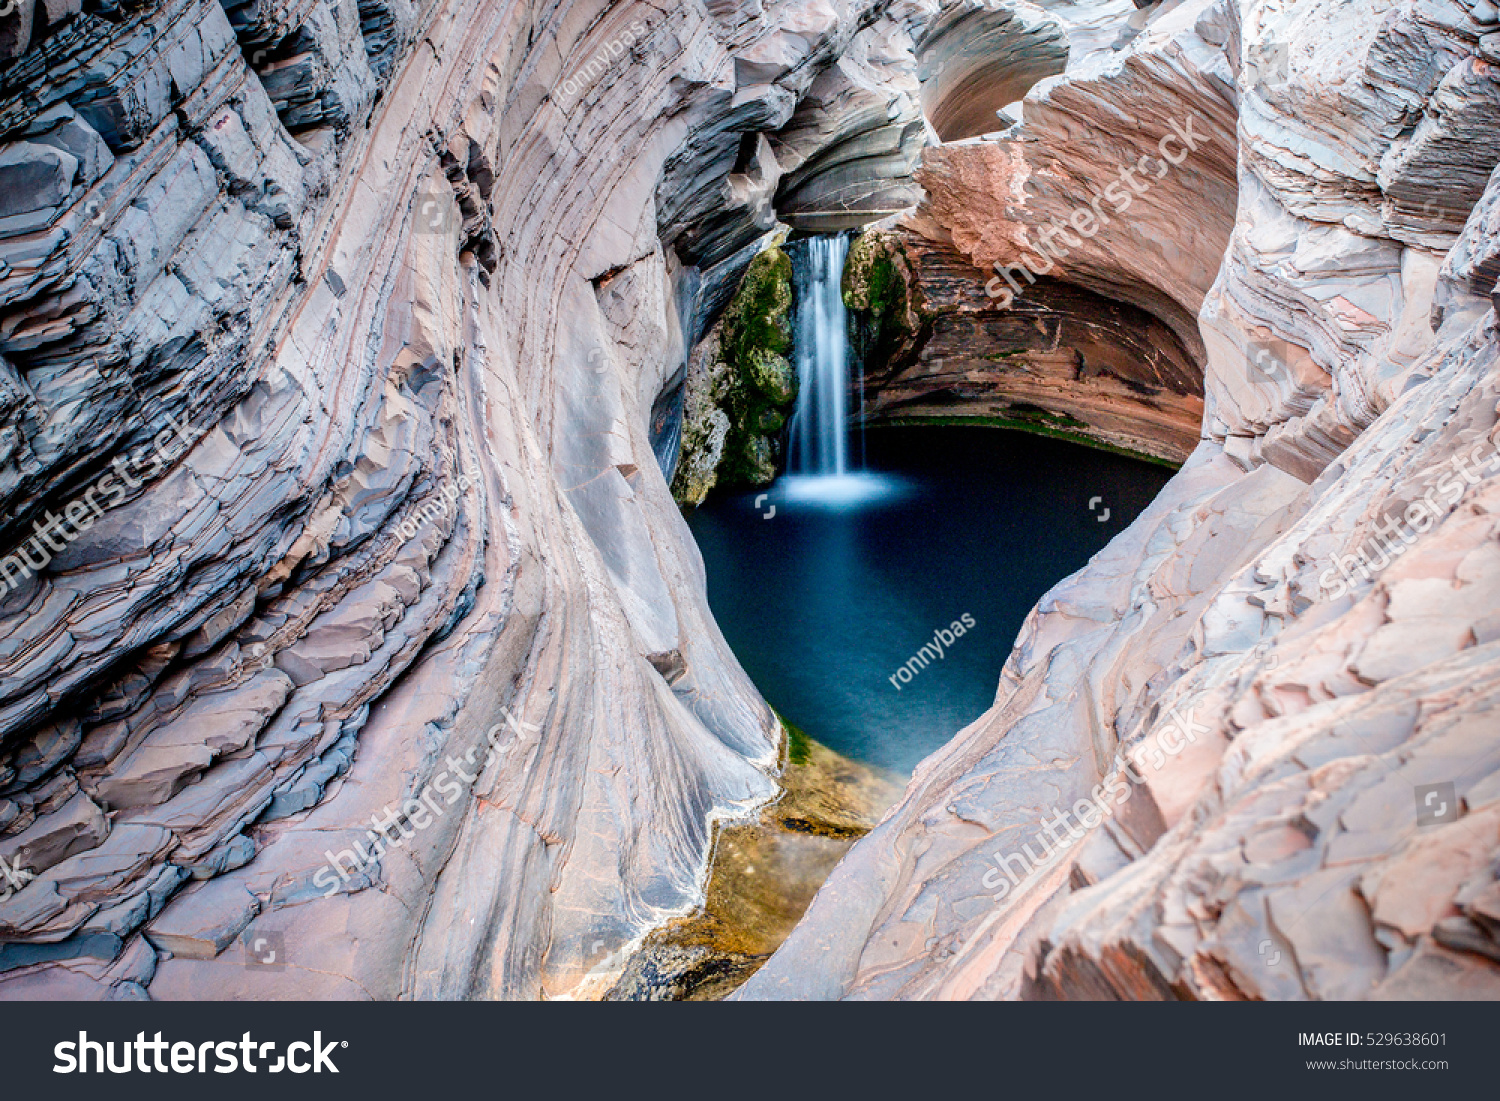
[824,602]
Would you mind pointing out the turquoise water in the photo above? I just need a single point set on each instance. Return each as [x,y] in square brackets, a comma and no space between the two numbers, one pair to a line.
[827,589]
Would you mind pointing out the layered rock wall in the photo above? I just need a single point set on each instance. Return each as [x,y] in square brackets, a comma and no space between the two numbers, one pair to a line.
[1248,752]
[934,347]
[343,352]
[394,649]
[1061,263]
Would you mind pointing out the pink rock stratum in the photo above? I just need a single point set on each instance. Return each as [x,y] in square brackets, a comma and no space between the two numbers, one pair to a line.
[339,345]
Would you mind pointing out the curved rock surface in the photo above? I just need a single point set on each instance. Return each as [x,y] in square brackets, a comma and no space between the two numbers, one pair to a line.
[1060,359]
[385,639]
[1060,265]
[1248,752]
[343,357]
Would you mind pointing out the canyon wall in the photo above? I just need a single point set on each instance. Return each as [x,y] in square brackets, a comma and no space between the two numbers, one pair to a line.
[351,642]
[1249,751]
[935,347]
[1057,265]
[344,352]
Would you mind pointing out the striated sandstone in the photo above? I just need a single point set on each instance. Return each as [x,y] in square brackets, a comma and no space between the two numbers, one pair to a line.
[933,345]
[418,296]
[380,320]
[1351,366]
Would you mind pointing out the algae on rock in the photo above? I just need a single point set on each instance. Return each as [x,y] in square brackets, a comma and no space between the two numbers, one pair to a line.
[740,387]
[887,316]
[762,877]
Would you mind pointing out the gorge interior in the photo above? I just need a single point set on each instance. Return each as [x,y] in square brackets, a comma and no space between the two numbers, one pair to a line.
[369,251]
[877,542]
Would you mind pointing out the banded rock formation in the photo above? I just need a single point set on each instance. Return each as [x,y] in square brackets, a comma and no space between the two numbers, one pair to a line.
[1249,751]
[1060,265]
[344,348]
[934,346]
[386,641]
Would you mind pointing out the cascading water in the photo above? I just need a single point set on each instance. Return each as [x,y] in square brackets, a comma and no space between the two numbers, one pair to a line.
[820,466]
[820,425]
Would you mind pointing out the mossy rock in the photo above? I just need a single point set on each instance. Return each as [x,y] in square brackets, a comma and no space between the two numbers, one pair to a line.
[699,455]
[798,744]
[705,425]
[756,345]
[771,422]
[759,318]
[871,282]
[772,375]
[752,461]
[741,387]
[889,319]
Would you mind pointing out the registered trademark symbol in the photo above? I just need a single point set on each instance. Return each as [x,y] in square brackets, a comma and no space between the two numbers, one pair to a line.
[343,1043]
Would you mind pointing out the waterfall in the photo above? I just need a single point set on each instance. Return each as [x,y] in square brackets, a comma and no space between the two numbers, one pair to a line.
[820,424]
[819,462]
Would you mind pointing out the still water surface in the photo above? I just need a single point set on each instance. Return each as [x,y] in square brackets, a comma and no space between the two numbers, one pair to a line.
[827,597]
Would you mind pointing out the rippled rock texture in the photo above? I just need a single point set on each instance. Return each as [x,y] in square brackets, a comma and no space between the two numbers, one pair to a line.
[347,614]
[1060,264]
[934,347]
[1249,751]
[352,645]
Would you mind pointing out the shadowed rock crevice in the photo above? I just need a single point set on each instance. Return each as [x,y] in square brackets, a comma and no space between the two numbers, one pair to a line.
[1294,695]
[976,60]
[933,346]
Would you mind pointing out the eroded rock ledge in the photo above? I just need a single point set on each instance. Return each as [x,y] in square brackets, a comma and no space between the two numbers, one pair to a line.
[1295,646]
[1060,264]
[411,280]
[935,346]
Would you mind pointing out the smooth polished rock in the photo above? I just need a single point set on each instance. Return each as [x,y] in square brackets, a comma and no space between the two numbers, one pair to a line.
[1292,648]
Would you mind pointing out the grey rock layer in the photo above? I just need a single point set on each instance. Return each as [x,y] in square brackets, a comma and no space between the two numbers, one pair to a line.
[1249,751]
[364,648]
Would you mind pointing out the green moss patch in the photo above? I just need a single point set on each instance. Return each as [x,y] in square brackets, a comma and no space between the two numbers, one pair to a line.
[763,875]
[1063,428]
[740,398]
[888,320]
